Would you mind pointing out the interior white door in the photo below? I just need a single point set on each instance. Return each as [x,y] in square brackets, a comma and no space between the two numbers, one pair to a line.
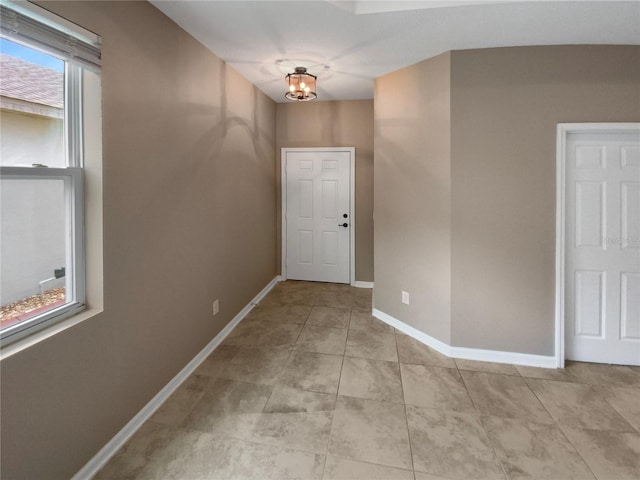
[602,251]
[318,217]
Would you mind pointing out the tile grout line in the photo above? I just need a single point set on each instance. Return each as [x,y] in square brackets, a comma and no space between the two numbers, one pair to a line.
[315,304]
[404,405]
[333,417]
[597,388]
[326,448]
[555,422]
[478,414]
[357,460]
[274,386]
[584,460]
[557,425]
[466,387]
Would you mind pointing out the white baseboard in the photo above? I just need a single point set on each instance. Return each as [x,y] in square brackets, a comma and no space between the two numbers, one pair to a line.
[464,353]
[109,450]
[496,356]
[359,284]
[422,337]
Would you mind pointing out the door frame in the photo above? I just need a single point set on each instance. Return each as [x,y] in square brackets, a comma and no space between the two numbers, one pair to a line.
[352,204]
[563,131]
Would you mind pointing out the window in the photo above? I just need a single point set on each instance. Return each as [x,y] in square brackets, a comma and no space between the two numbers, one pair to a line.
[43,61]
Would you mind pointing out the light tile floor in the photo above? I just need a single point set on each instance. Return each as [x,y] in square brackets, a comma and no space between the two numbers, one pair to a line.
[311,386]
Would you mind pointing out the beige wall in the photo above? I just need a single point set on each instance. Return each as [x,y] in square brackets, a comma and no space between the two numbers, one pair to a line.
[500,217]
[505,105]
[413,195]
[336,124]
[189,216]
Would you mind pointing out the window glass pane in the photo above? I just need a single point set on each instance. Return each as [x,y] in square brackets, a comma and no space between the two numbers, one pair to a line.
[31,107]
[33,248]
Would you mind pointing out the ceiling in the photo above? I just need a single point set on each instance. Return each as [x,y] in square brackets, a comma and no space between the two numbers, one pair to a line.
[349,43]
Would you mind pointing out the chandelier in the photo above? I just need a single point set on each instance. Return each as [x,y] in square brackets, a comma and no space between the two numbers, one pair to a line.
[302,85]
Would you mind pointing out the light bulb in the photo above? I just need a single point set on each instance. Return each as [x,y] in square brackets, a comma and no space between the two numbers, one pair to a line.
[302,85]
[292,88]
[307,89]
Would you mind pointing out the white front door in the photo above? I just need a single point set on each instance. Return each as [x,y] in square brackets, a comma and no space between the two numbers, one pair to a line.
[602,277]
[317,217]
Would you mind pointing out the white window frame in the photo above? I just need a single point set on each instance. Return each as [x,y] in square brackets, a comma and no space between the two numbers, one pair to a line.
[75,278]
[73,177]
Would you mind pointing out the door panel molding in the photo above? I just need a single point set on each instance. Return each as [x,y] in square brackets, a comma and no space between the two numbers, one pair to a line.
[352,220]
[588,157]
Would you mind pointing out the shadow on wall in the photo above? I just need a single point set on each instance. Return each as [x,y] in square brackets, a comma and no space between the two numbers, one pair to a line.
[210,144]
[223,132]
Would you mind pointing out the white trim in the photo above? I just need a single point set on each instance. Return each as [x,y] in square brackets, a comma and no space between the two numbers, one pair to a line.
[352,220]
[109,450]
[283,214]
[563,130]
[74,124]
[93,215]
[352,205]
[497,356]
[429,341]
[73,179]
[560,234]
[359,284]
[481,355]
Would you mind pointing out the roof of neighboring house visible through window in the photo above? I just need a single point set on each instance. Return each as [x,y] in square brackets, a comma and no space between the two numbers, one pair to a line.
[30,82]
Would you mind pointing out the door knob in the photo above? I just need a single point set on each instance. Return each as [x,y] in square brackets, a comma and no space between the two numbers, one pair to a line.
[344,225]
[345,215]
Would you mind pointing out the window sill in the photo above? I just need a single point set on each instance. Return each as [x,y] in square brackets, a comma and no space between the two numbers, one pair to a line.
[39,336]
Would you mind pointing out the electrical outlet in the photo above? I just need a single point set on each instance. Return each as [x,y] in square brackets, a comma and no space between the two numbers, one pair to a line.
[216,307]
[405,297]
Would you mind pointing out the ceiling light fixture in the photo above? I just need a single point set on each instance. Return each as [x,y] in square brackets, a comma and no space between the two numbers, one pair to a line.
[302,85]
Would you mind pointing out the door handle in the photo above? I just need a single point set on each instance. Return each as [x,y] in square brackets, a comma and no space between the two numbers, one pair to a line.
[343,225]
